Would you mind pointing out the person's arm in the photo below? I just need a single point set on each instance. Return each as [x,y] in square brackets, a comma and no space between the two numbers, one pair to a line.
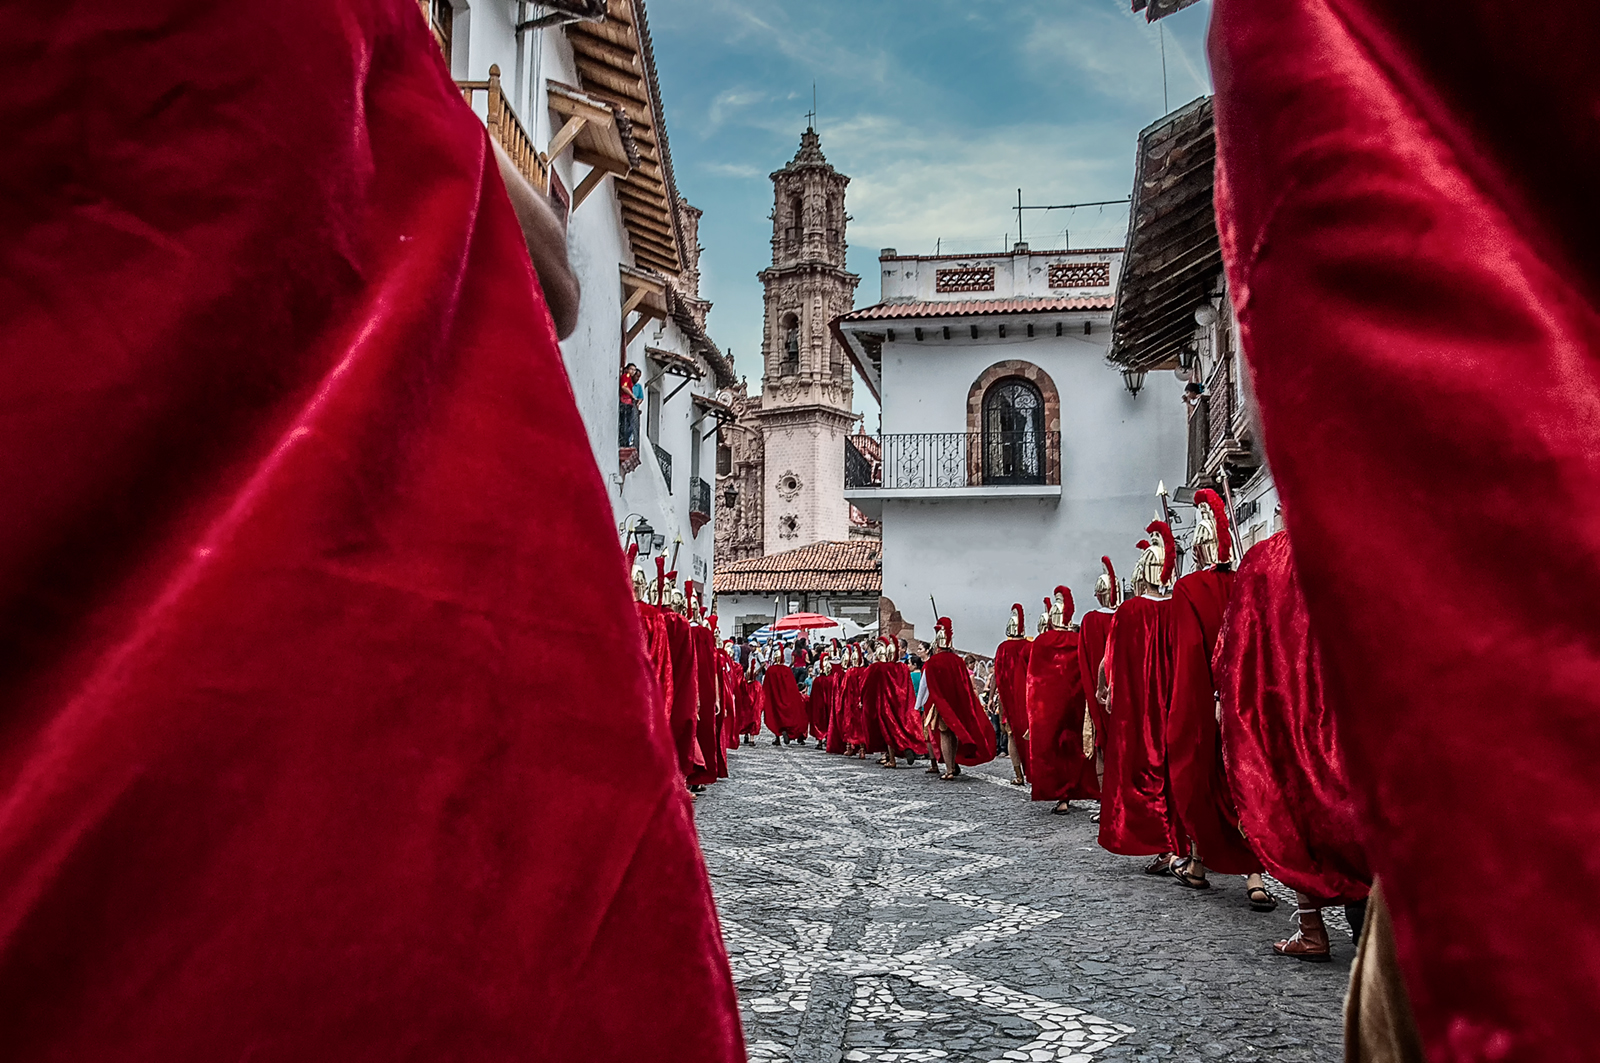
[547,244]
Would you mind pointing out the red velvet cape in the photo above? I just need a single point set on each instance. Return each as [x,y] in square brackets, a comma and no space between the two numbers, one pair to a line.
[851,709]
[684,709]
[1093,631]
[1280,735]
[950,688]
[1057,770]
[756,693]
[785,711]
[1403,217]
[735,701]
[1201,798]
[659,655]
[819,706]
[890,707]
[1011,684]
[310,583]
[1135,810]
[707,730]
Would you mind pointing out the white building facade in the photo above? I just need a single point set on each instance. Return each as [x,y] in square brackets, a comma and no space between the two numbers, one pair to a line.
[569,89]
[1012,455]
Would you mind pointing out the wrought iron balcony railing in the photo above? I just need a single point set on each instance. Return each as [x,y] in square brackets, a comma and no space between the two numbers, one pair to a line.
[664,459]
[699,496]
[937,460]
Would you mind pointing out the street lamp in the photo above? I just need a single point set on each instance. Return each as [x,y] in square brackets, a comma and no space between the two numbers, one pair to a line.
[1133,380]
[640,532]
[730,495]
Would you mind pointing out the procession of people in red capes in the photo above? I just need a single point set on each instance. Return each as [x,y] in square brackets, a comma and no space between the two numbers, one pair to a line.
[1193,710]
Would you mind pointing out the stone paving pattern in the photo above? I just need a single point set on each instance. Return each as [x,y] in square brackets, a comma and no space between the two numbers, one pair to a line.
[876,915]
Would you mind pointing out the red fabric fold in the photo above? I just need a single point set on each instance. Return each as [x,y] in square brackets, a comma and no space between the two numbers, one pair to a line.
[707,729]
[684,709]
[1135,808]
[950,689]
[1011,683]
[785,711]
[1093,631]
[1058,770]
[819,705]
[851,710]
[890,707]
[290,678]
[1411,253]
[1201,798]
[1280,735]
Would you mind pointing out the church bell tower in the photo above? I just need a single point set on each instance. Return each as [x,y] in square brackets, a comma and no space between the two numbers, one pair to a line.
[806,390]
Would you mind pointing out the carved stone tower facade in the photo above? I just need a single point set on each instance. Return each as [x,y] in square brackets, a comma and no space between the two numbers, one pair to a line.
[806,387]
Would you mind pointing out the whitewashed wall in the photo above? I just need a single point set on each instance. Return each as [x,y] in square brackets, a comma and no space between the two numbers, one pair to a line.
[976,556]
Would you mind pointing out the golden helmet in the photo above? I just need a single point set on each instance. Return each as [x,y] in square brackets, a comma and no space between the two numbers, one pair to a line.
[1213,539]
[1014,622]
[1160,557]
[1107,591]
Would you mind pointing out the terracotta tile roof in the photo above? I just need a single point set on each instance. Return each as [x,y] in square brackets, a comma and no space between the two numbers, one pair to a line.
[826,567]
[972,307]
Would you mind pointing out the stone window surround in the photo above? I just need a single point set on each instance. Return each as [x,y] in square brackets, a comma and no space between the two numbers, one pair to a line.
[1005,370]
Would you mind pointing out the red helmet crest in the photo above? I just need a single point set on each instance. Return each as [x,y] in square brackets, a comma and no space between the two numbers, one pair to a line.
[1219,515]
[1169,547]
[1068,608]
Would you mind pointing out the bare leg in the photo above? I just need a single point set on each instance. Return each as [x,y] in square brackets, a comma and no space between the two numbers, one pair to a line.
[933,756]
[1255,888]
[1016,765]
[947,746]
[1310,940]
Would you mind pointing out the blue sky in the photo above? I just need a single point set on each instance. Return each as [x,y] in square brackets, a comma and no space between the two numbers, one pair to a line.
[939,110]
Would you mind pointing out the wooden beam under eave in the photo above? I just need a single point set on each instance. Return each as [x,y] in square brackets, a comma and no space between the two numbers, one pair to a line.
[629,86]
[640,242]
[590,182]
[611,31]
[567,134]
[648,222]
[623,57]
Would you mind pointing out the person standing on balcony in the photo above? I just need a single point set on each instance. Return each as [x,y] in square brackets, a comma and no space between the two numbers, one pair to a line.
[631,399]
[288,448]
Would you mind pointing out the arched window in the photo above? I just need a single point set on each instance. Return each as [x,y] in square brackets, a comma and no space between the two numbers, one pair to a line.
[1013,433]
[796,219]
[791,345]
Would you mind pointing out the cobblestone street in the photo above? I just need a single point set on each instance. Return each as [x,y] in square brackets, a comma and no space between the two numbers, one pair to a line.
[881,915]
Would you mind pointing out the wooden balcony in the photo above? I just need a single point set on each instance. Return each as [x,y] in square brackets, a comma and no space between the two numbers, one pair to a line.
[508,130]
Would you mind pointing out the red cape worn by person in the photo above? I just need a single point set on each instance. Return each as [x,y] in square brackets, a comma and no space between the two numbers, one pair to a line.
[1201,798]
[288,447]
[1093,631]
[1402,216]
[890,707]
[1011,684]
[735,701]
[819,705]
[707,738]
[1058,771]
[786,712]
[1135,806]
[949,686]
[850,708]
[757,706]
[684,709]
[1280,736]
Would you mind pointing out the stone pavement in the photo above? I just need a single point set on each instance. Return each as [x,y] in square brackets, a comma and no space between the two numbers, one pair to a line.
[876,915]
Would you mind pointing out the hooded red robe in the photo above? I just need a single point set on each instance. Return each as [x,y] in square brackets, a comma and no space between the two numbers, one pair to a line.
[1280,735]
[707,728]
[1201,798]
[1411,243]
[950,689]
[1057,770]
[1093,631]
[1135,808]
[1011,683]
[684,709]
[289,450]
[785,711]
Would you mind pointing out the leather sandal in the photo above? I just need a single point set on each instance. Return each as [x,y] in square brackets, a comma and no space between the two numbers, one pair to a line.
[1187,878]
[1161,865]
[1261,900]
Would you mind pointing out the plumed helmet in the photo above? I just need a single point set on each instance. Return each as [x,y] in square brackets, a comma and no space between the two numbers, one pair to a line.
[1159,559]
[658,594]
[943,634]
[1061,608]
[641,582]
[1044,617]
[1014,622]
[1213,539]
[1107,591]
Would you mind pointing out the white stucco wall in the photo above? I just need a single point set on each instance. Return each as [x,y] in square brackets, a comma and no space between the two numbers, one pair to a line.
[977,556]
